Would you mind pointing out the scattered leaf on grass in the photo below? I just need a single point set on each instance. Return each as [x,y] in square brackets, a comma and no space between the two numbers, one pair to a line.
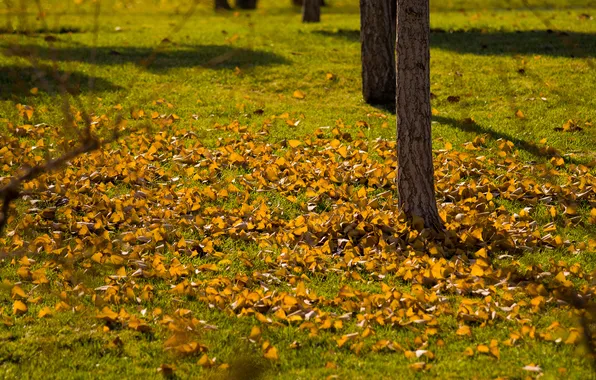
[270,352]
[18,308]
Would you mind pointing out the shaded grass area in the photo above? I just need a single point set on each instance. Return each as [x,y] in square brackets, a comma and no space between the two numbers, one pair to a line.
[221,68]
[218,57]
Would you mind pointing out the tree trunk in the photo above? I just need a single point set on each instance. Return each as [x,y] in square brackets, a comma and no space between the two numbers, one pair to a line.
[377,34]
[311,11]
[246,4]
[415,174]
[222,4]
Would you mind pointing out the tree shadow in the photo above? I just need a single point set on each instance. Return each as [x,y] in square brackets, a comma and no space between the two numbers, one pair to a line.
[216,57]
[44,30]
[389,107]
[471,126]
[351,35]
[17,82]
[481,42]
[531,42]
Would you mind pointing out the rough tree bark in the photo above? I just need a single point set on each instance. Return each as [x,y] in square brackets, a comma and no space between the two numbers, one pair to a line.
[415,179]
[311,11]
[246,4]
[222,4]
[377,34]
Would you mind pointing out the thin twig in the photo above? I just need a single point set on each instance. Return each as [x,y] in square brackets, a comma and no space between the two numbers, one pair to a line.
[12,190]
[89,143]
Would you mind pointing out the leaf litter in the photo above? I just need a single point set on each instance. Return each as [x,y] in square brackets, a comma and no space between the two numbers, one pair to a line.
[159,210]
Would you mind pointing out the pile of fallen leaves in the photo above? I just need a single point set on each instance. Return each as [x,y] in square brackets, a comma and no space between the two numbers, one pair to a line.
[161,209]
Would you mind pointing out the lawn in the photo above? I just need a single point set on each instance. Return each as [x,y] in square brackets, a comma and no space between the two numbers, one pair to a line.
[244,223]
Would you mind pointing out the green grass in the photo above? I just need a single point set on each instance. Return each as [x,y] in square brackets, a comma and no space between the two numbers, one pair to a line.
[223,67]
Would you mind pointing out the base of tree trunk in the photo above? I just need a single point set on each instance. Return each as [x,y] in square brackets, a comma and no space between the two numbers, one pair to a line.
[222,4]
[311,11]
[246,4]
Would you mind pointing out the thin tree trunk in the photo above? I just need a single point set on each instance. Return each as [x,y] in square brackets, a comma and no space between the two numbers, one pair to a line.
[246,4]
[311,11]
[222,4]
[377,34]
[415,180]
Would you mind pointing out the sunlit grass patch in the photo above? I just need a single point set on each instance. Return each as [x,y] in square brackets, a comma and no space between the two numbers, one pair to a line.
[246,221]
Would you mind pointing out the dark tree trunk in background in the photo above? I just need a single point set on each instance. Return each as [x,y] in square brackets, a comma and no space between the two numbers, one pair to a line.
[377,34]
[311,11]
[222,4]
[246,4]
[415,173]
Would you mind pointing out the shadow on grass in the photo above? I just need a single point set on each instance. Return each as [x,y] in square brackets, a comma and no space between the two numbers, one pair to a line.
[473,127]
[351,35]
[57,30]
[16,82]
[170,57]
[542,42]
[480,42]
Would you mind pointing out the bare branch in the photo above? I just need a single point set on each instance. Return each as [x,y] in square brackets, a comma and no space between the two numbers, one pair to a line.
[12,190]
[89,143]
